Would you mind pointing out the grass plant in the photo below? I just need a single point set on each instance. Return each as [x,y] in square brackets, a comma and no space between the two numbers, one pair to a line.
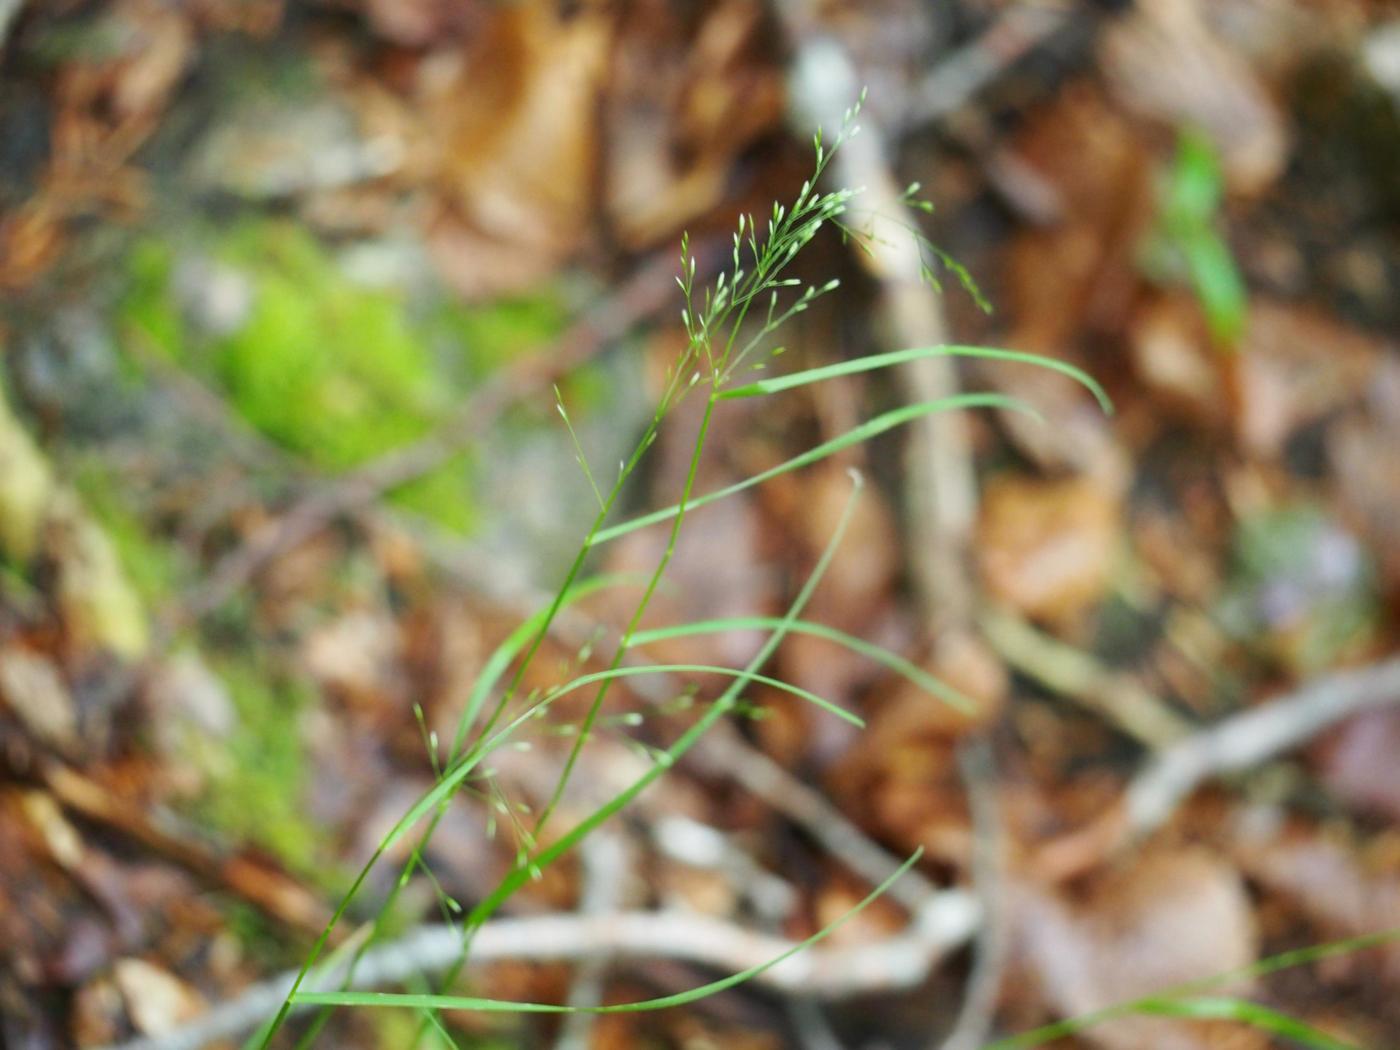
[728,327]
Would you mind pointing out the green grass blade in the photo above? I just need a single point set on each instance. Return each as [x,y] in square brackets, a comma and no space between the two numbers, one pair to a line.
[1273,964]
[1222,292]
[892,662]
[864,432]
[453,776]
[466,1002]
[776,683]
[897,357]
[1256,1015]
[1298,957]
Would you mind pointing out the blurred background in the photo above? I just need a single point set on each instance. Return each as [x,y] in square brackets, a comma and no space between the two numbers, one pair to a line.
[286,291]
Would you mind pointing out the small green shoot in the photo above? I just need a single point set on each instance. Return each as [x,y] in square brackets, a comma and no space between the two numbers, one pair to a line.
[1187,238]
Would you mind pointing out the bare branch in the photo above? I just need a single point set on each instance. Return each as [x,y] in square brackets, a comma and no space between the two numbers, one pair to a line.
[898,962]
[1253,737]
[977,764]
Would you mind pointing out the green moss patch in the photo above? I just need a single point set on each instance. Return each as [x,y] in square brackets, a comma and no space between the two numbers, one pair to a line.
[333,370]
[257,781]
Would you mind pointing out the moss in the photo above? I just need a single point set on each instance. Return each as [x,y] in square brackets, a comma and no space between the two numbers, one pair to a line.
[333,370]
[154,567]
[256,788]
[260,938]
[329,369]
[148,306]
[494,334]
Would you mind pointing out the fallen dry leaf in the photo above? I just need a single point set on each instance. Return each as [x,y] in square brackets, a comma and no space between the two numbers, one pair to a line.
[1362,452]
[1074,276]
[34,691]
[1169,918]
[515,114]
[1164,61]
[156,999]
[158,41]
[1079,273]
[901,772]
[1046,547]
[356,655]
[1348,889]
[423,23]
[1358,763]
[1174,358]
[684,101]
[1295,366]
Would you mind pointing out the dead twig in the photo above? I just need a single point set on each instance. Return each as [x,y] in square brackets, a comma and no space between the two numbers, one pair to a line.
[605,870]
[724,751]
[961,75]
[1076,675]
[1236,744]
[272,892]
[977,765]
[941,507]
[1252,737]
[941,498]
[892,964]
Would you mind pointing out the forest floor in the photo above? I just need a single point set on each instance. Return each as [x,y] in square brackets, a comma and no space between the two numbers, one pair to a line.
[291,295]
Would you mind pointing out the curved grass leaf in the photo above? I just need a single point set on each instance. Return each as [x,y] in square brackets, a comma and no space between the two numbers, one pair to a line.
[892,662]
[730,672]
[872,362]
[1190,992]
[855,436]
[412,1000]
[1256,1015]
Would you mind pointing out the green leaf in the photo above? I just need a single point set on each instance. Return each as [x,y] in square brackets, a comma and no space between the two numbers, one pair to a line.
[1256,1015]
[877,654]
[1218,285]
[1195,186]
[872,362]
[864,432]
[1189,205]
[729,672]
